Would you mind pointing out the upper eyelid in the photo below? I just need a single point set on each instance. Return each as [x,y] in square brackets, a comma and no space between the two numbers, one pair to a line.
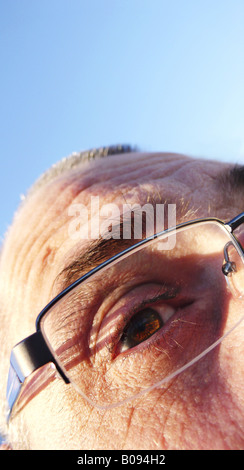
[83,296]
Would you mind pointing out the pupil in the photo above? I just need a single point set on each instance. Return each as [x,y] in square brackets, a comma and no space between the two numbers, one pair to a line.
[141,326]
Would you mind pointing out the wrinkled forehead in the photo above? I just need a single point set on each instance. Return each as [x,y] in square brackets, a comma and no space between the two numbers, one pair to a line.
[114,172]
[197,187]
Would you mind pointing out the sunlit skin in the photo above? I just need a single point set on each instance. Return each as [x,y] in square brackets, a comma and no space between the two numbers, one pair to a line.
[201,409]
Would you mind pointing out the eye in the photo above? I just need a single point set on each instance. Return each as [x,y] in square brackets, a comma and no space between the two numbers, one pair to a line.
[143,325]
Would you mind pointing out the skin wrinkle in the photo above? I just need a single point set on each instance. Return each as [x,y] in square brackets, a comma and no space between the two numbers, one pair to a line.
[183,185]
[101,428]
[212,407]
[55,203]
[167,413]
[165,420]
[162,441]
[155,176]
[104,175]
[172,417]
[232,191]
[86,417]
[36,246]
[232,403]
[27,248]
[189,440]
[174,167]
[134,175]
[129,420]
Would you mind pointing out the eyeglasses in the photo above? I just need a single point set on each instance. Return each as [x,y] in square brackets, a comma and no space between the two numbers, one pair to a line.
[140,318]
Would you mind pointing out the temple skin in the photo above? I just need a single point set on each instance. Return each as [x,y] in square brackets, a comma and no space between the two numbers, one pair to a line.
[201,409]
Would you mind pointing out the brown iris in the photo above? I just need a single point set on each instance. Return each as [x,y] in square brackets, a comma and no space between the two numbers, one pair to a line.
[140,327]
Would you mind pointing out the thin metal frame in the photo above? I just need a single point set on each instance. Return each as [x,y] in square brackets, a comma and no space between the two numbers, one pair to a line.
[33,352]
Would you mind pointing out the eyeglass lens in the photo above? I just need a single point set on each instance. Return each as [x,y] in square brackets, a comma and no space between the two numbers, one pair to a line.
[136,322]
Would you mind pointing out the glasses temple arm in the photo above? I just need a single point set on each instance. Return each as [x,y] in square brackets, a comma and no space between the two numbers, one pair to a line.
[236,222]
[26,357]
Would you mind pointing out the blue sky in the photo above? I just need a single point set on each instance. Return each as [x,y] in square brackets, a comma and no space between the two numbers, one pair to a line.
[165,75]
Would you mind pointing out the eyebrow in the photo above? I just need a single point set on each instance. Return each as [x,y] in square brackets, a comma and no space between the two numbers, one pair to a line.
[232,178]
[98,251]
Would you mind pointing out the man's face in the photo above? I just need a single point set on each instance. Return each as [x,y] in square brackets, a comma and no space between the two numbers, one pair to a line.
[201,409]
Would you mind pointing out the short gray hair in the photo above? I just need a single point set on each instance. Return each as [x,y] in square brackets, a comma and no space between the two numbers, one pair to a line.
[75,160]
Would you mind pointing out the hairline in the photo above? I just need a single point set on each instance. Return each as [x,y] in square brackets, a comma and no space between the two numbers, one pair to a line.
[75,160]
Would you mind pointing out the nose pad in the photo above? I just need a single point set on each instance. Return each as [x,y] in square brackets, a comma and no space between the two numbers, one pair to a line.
[229,266]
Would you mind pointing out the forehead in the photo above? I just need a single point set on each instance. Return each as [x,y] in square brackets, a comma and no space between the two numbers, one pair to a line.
[112,176]
[192,184]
